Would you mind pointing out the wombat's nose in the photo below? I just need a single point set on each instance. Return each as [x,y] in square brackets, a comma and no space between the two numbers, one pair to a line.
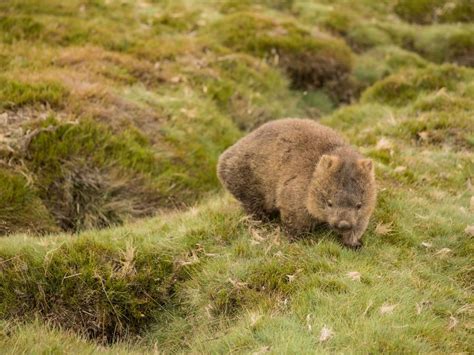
[344,225]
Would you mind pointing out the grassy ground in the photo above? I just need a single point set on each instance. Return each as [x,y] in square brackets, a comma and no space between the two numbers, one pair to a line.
[115,111]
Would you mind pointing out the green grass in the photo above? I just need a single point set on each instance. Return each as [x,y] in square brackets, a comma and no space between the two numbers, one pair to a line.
[429,11]
[213,267]
[381,61]
[16,28]
[16,94]
[21,209]
[116,237]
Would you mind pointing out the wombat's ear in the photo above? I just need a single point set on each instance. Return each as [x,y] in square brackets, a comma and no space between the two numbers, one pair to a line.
[328,161]
[366,165]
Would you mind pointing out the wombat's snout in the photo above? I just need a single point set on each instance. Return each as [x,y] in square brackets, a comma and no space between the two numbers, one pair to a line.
[343,225]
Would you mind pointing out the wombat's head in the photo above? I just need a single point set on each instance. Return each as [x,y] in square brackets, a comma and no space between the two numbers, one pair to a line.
[342,194]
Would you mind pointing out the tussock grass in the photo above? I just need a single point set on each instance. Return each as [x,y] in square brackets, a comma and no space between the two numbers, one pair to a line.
[21,209]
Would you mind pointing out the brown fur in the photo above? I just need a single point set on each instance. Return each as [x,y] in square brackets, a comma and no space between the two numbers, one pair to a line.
[299,168]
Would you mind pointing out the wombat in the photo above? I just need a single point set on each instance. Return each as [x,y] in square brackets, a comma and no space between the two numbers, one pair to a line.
[306,173]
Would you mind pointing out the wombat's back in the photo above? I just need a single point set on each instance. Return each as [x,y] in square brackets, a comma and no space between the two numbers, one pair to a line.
[252,168]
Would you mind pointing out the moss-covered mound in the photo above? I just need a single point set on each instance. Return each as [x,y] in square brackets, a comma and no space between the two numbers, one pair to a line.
[97,287]
[312,60]
[429,11]
[450,43]
[88,178]
[21,209]
[379,62]
[429,108]
[406,86]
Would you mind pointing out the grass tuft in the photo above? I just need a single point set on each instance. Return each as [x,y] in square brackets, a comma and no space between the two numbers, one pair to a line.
[15,93]
[21,209]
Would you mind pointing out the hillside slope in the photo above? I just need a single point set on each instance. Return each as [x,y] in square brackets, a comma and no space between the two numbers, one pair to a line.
[116,236]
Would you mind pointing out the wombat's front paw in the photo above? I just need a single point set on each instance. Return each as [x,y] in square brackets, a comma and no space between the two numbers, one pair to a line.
[352,241]
[359,244]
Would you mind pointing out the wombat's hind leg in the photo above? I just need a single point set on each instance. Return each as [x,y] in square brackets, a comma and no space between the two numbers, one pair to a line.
[257,210]
[237,176]
[295,224]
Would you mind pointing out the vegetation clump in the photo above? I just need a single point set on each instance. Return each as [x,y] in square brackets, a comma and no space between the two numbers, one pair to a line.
[383,61]
[90,286]
[21,209]
[15,28]
[15,93]
[447,43]
[310,60]
[81,174]
[401,88]
[429,11]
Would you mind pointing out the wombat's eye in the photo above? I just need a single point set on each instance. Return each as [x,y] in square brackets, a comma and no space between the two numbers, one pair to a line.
[329,203]
[359,205]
